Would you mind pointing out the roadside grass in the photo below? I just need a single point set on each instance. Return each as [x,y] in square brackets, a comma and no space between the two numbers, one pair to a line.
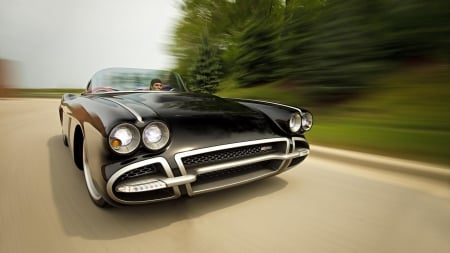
[403,114]
[272,92]
[42,93]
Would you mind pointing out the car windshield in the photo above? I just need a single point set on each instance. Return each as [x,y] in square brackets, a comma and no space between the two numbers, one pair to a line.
[129,79]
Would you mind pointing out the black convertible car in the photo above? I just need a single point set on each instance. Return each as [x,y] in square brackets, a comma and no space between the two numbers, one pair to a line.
[137,144]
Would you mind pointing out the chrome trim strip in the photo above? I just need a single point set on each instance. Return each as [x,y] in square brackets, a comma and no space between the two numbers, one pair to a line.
[228,165]
[297,139]
[272,103]
[178,156]
[181,180]
[115,176]
[131,91]
[196,192]
[135,114]
[303,151]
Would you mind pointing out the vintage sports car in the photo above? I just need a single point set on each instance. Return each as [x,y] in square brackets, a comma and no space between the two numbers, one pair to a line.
[137,145]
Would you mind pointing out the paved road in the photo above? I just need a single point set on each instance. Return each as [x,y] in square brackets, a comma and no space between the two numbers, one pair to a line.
[321,206]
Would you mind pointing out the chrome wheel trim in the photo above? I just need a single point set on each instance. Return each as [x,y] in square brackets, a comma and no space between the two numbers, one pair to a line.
[87,176]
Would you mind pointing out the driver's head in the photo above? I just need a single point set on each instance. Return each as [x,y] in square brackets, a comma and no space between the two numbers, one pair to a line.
[156,84]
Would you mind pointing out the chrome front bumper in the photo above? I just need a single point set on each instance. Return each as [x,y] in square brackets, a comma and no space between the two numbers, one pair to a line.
[206,177]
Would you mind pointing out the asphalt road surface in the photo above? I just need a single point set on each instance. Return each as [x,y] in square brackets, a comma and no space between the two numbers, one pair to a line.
[323,205]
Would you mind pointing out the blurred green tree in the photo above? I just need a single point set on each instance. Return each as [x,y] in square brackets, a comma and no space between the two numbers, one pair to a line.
[206,69]
[332,47]
[257,57]
[200,18]
[416,29]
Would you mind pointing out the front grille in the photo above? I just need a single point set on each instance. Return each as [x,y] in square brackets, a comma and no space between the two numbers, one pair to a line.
[146,196]
[231,173]
[227,155]
[228,165]
[155,168]
[299,143]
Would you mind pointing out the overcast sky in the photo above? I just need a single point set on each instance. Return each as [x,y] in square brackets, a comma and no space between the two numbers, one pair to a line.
[62,43]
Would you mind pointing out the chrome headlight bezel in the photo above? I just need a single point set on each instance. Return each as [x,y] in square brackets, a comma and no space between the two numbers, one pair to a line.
[156,135]
[307,121]
[295,122]
[124,138]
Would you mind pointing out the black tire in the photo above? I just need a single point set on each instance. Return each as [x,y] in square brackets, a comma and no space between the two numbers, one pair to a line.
[66,143]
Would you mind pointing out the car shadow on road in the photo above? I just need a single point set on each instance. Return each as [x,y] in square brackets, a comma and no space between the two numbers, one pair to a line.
[81,218]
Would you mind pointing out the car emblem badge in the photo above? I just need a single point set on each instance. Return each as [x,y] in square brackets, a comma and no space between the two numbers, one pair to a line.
[265,148]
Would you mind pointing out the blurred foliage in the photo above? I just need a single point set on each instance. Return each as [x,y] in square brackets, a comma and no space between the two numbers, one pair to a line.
[332,47]
[255,58]
[41,93]
[403,113]
[206,70]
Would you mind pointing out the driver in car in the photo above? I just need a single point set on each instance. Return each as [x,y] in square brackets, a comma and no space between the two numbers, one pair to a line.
[156,84]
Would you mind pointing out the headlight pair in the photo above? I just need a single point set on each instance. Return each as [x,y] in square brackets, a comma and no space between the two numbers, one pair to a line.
[303,122]
[125,138]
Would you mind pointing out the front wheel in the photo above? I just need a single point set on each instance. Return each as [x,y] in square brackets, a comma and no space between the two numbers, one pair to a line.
[93,192]
[66,143]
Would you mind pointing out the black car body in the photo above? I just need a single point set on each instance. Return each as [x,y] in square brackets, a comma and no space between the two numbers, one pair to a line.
[138,146]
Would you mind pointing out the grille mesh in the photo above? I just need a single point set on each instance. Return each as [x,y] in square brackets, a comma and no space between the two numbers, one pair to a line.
[151,169]
[227,155]
[145,170]
[229,173]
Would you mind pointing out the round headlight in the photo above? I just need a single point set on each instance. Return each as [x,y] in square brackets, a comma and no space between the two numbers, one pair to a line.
[295,122]
[307,121]
[156,135]
[124,138]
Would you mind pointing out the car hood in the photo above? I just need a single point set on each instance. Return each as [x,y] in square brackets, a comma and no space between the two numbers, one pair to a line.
[167,104]
[194,115]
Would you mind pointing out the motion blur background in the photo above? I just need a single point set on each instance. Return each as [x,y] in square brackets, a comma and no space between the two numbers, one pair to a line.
[374,73]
